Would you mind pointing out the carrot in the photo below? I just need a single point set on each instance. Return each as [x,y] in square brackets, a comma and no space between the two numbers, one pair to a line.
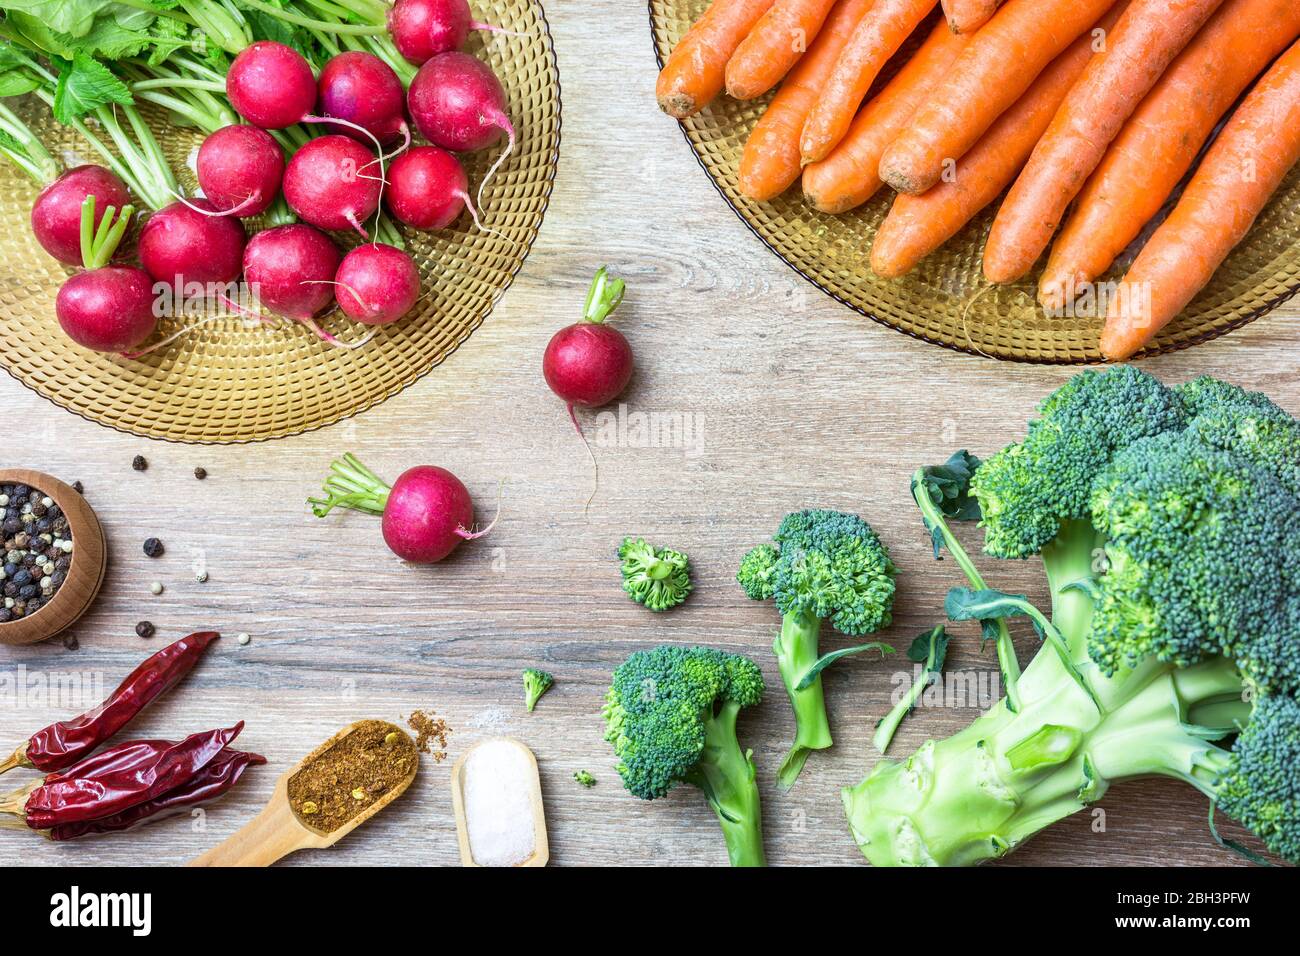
[695,70]
[1240,173]
[1142,45]
[918,225]
[847,177]
[770,162]
[997,67]
[774,46]
[967,16]
[1160,142]
[882,31]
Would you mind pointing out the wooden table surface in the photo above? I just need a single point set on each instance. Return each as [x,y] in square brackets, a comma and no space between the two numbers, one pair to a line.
[802,403]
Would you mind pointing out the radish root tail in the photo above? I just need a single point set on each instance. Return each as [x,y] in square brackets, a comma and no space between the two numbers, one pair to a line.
[595,466]
[504,122]
[471,535]
[219,213]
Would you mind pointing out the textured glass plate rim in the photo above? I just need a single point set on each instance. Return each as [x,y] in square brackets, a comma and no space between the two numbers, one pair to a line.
[1162,349]
[380,397]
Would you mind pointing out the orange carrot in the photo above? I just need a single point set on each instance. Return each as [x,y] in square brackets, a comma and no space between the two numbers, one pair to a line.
[1144,42]
[695,70]
[967,16]
[1000,63]
[770,162]
[1240,173]
[848,176]
[1159,143]
[882,31]
[774,46]
[918,225]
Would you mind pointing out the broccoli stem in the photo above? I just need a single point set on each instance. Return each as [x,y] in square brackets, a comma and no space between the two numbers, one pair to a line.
[796,651]
[726,775]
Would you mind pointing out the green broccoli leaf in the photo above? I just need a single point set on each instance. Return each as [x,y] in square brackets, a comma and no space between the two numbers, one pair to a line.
[826,660]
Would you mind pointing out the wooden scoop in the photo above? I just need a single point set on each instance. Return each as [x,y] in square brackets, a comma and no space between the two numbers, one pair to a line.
[278,830]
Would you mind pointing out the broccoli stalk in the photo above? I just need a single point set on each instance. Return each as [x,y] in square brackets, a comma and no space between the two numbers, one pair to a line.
[929,650]
[671,717]
[1160,515]
[536,683]
[824,565]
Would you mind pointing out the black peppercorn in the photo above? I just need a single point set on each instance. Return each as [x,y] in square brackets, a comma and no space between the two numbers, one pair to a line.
[71,642]
[144,629]
[138,463]
[78,487]
[153,547]
[200,473]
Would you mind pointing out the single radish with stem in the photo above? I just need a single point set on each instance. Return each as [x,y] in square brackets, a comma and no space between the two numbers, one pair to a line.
[57,212]
[361,88]
[376,284]
[589,363]
[458,103]
[426,513]
[289,269]
[427,188]
[327,185]
[240,169]
[106,308]
[185,242]
[421,29]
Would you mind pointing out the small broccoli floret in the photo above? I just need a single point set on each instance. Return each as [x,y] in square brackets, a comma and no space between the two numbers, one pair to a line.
[670,715]
[824,565]
[584,778]
[536,683]
[658,578]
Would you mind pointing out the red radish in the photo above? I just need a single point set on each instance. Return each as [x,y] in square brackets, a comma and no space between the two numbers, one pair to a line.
[589,363]
[290,268]
[427,188]
[457,103]
[376,284]
[106,308]
[363,89]
[327,183]
[184,242]
[424,28]
[426,513]
[239,170]
[271,85]
[56,215]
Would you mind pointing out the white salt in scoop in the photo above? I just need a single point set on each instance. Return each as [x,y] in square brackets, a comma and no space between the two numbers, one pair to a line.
[497,795]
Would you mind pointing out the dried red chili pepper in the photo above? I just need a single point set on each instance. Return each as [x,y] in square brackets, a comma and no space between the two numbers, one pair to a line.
[222,773]
[71,798]
[62,744]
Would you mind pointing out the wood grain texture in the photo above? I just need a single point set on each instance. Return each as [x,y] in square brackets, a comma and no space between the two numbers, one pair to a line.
[803,403]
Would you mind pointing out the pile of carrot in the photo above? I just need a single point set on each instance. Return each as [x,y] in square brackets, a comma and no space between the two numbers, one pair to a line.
[1084,115]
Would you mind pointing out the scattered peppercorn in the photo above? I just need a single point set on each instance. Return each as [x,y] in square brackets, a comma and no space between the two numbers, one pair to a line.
[156,588]
[78,487]
[71,643]
[145,629]
[139,463]
[200,473]
[201,577]
[244,638]
[153,547]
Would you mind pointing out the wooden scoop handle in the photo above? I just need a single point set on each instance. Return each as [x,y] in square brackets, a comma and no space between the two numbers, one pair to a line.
[272,834]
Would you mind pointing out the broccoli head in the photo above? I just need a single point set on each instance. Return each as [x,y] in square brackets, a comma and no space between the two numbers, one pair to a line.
[822,565]
[1165,518]
[536,683]
[658,578]
[670,715]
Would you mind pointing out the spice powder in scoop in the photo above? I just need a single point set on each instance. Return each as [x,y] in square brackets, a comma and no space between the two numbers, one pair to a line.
[337,784]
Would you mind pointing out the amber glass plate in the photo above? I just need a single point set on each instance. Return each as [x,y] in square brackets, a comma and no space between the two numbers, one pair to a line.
[233,381]
[945,300]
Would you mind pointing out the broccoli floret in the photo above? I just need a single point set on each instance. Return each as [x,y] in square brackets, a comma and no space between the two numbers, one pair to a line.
[824,565]
[536,683]
[659,578]
[584,778]
[670,715]
[1165,518]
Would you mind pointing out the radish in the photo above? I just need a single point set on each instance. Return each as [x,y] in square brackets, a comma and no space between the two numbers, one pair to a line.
[422,29]
[363,89]
[106,308]
[271,85]
[589,363]
[427,188]
[376,284]
[326,186]
[184,243]
[56,215]
[239,170]
[289,269]
[426,513]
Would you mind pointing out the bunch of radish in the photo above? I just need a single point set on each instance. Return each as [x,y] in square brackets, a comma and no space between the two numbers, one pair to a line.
[337,181]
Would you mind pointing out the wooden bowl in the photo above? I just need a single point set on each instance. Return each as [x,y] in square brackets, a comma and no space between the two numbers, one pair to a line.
[86,574]
[541,846]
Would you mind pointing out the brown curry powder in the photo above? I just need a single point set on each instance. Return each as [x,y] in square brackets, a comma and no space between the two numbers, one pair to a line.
[337,784]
